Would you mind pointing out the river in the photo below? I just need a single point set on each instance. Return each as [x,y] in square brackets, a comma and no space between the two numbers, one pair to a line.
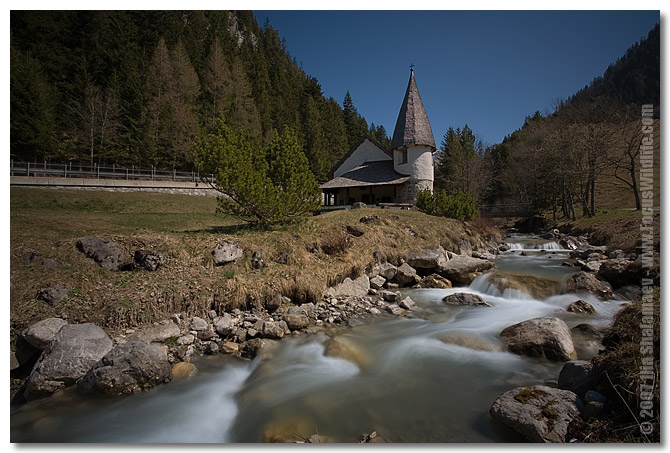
[428,377]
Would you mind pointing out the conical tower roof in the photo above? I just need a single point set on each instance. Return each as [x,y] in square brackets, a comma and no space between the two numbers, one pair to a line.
[412,127]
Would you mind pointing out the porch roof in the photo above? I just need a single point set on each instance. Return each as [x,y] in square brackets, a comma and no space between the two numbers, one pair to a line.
[378,173]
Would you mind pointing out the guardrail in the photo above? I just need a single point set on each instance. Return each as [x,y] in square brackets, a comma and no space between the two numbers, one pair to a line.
[71,170]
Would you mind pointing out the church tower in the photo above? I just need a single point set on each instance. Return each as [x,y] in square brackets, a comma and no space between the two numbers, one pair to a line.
[413,144]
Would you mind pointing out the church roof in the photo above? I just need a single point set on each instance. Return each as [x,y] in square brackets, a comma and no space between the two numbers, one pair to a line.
[377,173]
[353,150]
[412,127]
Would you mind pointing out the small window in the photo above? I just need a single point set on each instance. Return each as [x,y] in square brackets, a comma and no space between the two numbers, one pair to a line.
[403,156]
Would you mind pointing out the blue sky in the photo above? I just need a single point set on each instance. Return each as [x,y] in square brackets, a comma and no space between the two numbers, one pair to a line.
[489,69]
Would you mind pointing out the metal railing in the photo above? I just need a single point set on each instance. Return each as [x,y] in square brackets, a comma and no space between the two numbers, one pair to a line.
[77,170]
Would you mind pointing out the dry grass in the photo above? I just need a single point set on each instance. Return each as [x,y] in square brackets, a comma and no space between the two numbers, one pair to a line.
[184,231]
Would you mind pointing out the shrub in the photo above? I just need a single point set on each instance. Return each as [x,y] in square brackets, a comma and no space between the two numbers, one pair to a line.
[266,186]
[458,205]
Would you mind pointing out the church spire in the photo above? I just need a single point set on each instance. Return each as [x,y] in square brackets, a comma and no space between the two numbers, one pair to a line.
[412,127]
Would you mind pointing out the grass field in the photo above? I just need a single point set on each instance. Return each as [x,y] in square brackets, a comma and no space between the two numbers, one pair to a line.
[185,229]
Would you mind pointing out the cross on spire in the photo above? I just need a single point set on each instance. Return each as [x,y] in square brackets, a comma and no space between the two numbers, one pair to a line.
[411,67]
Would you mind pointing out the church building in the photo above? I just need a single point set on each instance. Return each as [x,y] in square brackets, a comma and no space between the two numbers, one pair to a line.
[372,175]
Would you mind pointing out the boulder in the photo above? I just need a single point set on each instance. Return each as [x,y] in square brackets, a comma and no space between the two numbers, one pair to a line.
[224,325]
[621,272]
[272,330]
[344,348]
[229,347]
[581,306]
[185,340]
[373,219]
[207,335]
[593,409]
[408,304]
[251,348]
[354,230]
[435,281]
[592,266]
[406,275]
[211,348]
[157,333]
[465,299]
[349,287]
[592,395]
[226,252]
[583,281]
[129,368]
[257,261]
[390,296]
[40,334]
[183,370]
[464,269]
[539,413]
[69,355]
[577,376]
[199,324]
[296,321]
[106,253]
[377,282]
[147,259]
[54,295]
[23,354]
[583,252]
[359,205]
[274,302]
[385,270]
[394,309]
[304,309]
[540,337]
[427,259]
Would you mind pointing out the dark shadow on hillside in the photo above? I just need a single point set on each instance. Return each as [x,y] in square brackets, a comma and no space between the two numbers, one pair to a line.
[230,229]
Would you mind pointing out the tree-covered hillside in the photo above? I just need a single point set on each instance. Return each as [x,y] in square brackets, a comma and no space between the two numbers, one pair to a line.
[136,88]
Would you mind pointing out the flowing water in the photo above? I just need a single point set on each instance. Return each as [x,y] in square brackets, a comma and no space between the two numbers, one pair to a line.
[429,377]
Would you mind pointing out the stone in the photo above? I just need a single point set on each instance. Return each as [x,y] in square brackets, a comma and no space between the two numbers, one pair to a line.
[539,413]
[375,311]
[229,347]
[157,333]
[592,395]
[41,333]
[183,370]
[390,296]
[68,356]
[465,299]
[372,219]
[211,348]
[185,340]
[207,335]
[23,353]
[583,252]
[257,261]
[592,266]
[224,325]
[464,269]
[129,368]
[377,282]
[226,252]
[540,337]
[427,259]
[272,330]
[583,281]
[394,309]
[296,321]
[54,295]
[577,376]
[147,259]
[359,205]
[252,348]
[385,270]
[406,275]
[582,307]
[435,281]
[344,348]
[198,324]
[354,230]
[593,409]
[407,303]
[106,253]
[29,258]
[621,272]
[349,287]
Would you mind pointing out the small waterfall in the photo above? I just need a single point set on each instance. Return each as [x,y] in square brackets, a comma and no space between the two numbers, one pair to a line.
[497,286]
[535,246]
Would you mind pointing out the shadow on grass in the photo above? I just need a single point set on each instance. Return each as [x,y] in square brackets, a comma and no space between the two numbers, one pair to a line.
[233,229]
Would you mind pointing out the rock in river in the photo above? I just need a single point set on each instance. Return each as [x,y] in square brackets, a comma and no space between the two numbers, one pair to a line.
[465,299]
[69,355]
[539,413]
[130,367]
[540,337]
[583,281]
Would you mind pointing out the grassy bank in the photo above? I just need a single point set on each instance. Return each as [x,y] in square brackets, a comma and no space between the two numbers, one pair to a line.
[301,260]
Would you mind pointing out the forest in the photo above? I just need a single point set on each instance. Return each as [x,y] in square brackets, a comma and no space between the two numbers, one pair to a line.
[137,88]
